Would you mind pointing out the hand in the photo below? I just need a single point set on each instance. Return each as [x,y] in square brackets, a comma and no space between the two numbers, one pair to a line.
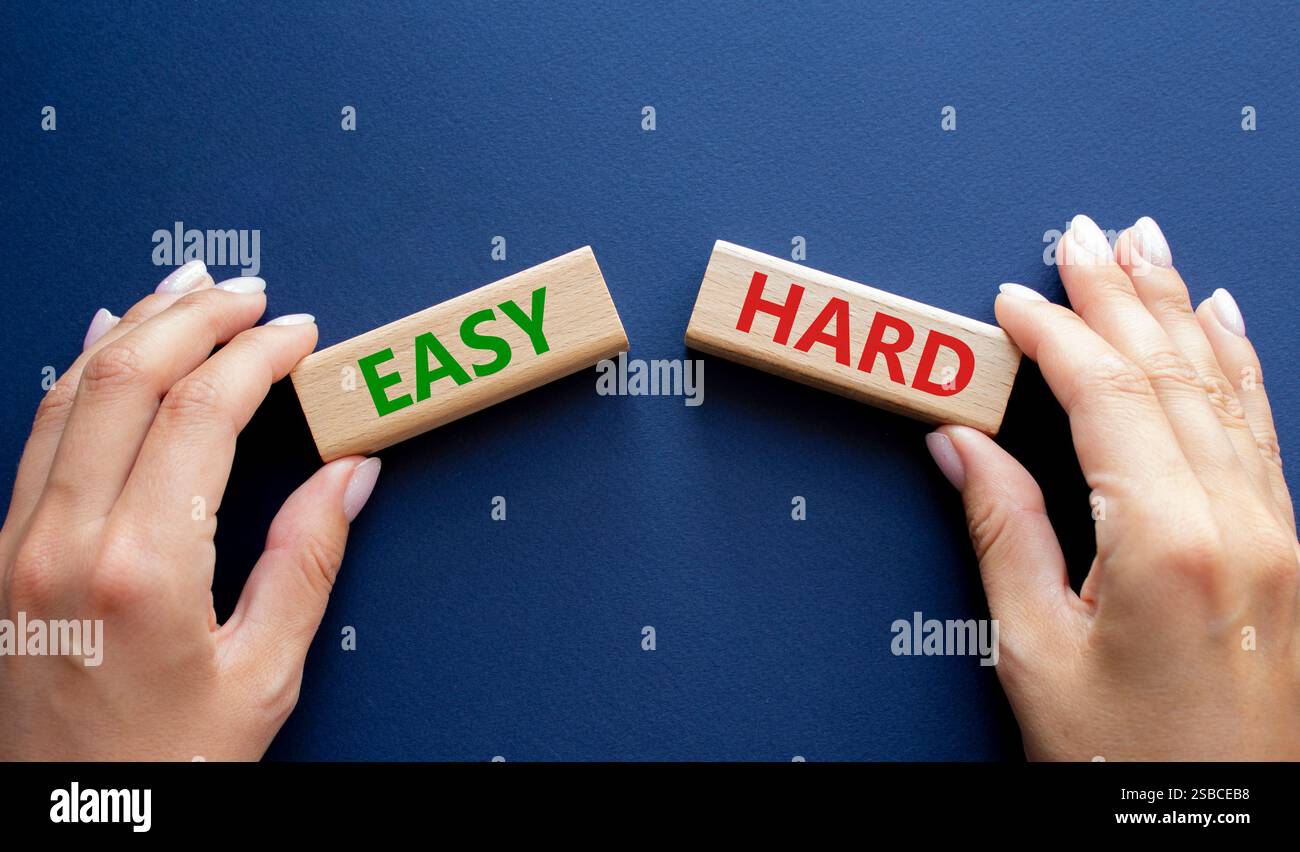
[112,519]
[1183,642]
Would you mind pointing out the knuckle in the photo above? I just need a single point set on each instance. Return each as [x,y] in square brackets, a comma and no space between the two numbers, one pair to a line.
[117,580]
[1269,448]
[114,588]
[196,397]
[1169,299]
[1198,558]
[319,556]
[33,575]
[54,406]
[1277,567]
[1112,285]
[988,524]
[1113,377]
[254,340]
[1224,401]
[203,304]
[1166,367]
[195,299]
[116,365]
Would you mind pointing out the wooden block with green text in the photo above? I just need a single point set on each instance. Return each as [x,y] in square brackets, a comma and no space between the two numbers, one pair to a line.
[459,356]
[851,339]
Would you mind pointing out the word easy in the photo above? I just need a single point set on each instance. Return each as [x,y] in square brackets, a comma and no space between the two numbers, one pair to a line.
[429,346]
[459,356]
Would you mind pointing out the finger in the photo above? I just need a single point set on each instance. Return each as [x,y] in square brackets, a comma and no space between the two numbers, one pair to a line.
[1143,254]
[1020,559]
[1225,330]
[1102,294]
[121,387]
[187,454]
[1123,440]
[284,599]
[52,414]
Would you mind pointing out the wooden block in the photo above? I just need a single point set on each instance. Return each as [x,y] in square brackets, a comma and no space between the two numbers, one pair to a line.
[459,356]
[851,339]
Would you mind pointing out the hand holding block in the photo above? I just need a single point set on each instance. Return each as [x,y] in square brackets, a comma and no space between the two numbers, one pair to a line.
[851,339]
[459,356]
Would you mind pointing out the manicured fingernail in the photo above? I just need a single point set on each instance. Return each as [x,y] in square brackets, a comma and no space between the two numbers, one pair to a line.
[293,319]
[945,456]
[243,285]
[359,487]
[1225,308]
[1150,243]
[184,278]
[1020,291]
[1088,236]
[100,323]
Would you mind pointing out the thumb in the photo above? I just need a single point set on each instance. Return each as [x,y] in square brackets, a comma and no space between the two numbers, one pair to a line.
[1020,559]
[284,599]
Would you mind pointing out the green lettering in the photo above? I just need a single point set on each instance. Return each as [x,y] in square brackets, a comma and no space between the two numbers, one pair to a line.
[531,326]
[424,344]
[378,384]
[488,342]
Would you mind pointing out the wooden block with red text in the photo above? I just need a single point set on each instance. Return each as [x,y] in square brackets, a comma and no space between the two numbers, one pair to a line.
[459,356]
[851,339]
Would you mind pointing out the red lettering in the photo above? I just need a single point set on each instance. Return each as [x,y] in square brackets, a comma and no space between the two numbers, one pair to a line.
[838,310]
[754,302]
[965,365]
[876,345]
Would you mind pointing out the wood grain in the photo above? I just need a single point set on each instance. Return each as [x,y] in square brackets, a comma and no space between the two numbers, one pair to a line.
[578,327]
[854,340]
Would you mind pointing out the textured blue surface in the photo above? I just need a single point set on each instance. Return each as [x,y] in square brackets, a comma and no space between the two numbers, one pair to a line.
[522,638]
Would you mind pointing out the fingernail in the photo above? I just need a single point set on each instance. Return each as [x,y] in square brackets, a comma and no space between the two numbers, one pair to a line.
[243,285]
[1150,242]
[100,323]
[293,319]
[1020,291]
[359,487]
[1089,237]
[184,278]
[945,456]
[1225,308]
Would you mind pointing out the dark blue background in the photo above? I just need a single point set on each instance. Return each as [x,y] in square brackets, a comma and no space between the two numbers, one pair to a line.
[522,638]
